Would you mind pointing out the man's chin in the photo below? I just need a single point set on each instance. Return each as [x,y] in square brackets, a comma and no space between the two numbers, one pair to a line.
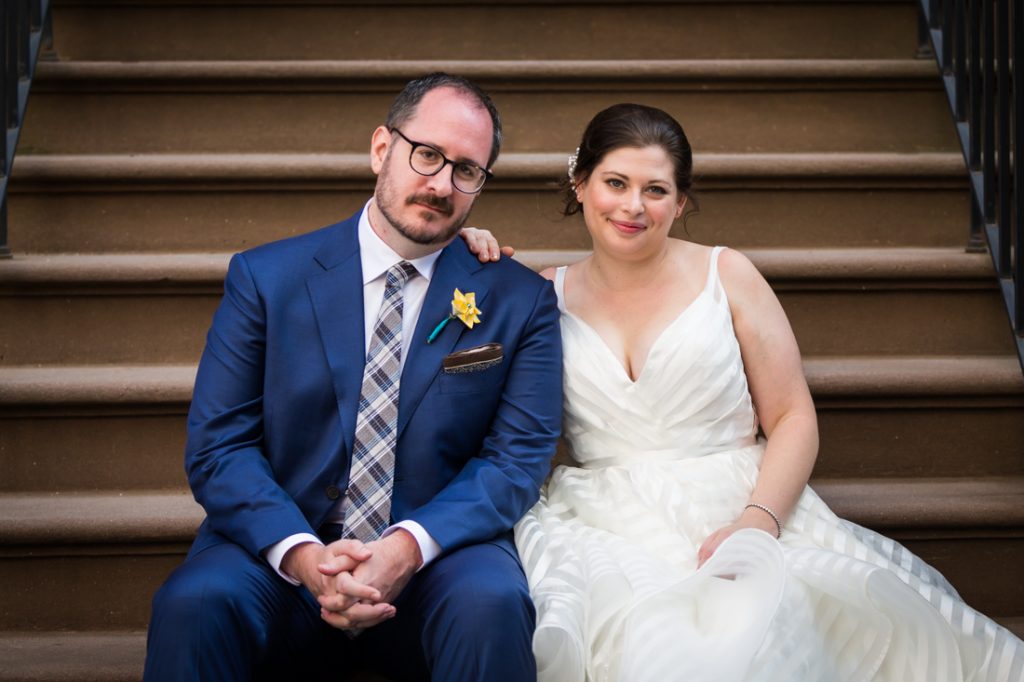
[431,232]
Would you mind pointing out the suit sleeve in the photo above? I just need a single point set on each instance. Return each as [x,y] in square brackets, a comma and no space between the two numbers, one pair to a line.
[224,458]
[497,487]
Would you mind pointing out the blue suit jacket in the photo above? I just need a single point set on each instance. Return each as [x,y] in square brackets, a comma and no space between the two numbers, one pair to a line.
[273,414]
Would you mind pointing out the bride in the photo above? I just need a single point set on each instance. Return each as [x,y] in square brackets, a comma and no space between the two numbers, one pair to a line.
[682,546]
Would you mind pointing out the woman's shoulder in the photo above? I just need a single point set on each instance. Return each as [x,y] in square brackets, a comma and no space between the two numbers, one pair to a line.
[744,284]
[549,273]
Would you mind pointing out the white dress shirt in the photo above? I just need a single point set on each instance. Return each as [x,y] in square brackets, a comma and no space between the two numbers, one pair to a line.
[377,258]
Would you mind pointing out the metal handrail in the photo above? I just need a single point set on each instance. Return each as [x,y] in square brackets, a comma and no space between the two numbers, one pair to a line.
[25,30]
[976,43]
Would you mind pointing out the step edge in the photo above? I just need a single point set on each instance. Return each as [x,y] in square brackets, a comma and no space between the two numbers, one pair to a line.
[298,72]
[864,377]
[921,503]
[243,168]
[146,517]
[208,268]
[98,518]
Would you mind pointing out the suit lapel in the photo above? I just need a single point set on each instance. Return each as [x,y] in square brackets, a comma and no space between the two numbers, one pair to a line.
[336,295]
[456,268]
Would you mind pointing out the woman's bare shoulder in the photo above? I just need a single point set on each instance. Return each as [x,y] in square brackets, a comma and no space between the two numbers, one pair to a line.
[549,273]
[737,271]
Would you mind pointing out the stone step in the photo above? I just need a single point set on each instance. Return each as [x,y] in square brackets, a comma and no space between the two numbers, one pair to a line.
[750,106]
[119,656]
[60,309]
[100,656]
[228,202]
[92,561]
[122,428]
[161,30]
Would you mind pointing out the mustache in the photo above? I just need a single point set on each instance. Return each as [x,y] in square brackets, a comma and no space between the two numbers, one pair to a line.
[440,203]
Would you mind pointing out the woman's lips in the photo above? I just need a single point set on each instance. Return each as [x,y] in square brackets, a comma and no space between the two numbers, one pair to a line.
[629,228]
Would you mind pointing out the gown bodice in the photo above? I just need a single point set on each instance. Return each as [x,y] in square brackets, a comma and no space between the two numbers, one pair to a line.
[690,399]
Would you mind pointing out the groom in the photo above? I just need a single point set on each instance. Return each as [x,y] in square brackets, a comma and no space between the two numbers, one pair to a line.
[361,481]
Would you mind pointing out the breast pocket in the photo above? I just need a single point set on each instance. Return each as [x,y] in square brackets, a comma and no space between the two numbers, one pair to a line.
[489,379]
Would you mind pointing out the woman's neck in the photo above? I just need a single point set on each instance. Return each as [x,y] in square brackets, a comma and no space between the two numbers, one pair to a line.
[606,272]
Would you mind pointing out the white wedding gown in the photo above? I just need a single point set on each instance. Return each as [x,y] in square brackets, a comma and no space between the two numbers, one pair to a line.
[610,550]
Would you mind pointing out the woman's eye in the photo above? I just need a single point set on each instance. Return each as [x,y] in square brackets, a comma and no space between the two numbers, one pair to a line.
[657,189]
[616,183]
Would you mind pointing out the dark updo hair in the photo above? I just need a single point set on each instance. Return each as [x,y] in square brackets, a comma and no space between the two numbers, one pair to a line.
[631,125]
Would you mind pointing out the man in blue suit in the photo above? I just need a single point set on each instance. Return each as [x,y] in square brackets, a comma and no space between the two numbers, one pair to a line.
[290,577]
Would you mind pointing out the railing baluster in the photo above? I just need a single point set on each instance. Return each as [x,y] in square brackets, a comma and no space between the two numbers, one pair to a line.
[993,134]
[25,29]
[988,124]
[947,47]
[924,41]
[974,118]
[1003,191]
[1018,176]
[11,63]
[4,121]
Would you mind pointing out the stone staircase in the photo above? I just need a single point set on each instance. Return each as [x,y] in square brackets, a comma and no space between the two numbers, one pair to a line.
[170,134]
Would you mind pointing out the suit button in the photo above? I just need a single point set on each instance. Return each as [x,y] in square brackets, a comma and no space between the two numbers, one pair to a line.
[332,492]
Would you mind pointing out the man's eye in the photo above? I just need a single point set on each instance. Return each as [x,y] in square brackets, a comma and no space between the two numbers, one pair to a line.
[428,154]
[466,171]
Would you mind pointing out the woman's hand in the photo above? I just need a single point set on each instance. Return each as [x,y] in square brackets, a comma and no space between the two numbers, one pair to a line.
[483,245]
[751,518]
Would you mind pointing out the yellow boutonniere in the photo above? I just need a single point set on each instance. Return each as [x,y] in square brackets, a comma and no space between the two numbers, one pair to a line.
[463,308]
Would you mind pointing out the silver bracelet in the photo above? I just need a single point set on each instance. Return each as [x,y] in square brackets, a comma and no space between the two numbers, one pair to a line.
[770,513]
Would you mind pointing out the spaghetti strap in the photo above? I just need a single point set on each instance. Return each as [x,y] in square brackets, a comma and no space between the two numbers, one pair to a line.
[713,285]
[560,286]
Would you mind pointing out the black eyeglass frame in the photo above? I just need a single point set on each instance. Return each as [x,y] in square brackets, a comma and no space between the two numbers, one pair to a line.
[413,144]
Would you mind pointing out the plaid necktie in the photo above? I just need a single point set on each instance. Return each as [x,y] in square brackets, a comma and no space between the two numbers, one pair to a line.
[373,460]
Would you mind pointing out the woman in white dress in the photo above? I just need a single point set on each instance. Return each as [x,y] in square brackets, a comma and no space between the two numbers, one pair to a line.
[681,546]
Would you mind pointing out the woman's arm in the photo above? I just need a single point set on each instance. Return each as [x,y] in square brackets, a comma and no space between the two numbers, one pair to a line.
[781,397]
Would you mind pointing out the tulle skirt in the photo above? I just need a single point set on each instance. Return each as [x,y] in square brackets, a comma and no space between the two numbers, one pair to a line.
[611,557]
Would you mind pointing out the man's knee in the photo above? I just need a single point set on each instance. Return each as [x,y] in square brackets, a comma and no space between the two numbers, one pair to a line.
[200,591]
[482,605]
[479,618]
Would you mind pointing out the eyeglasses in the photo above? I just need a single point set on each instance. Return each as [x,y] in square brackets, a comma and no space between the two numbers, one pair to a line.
[468,178]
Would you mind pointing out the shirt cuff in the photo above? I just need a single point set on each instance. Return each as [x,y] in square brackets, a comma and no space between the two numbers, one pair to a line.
[275,553]
[429,549]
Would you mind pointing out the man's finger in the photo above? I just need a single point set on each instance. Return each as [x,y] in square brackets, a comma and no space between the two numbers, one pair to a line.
[367,615]
[336,603]
[353,548]
[336,565]
[348,585]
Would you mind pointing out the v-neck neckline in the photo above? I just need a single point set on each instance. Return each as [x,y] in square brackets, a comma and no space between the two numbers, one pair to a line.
[650,351]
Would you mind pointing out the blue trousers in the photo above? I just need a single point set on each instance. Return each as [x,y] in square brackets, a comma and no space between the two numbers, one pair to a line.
[225,616]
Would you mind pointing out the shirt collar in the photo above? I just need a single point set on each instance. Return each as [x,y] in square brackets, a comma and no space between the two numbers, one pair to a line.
[377,257]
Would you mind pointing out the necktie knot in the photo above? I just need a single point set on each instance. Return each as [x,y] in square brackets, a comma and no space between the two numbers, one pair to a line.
[399,273]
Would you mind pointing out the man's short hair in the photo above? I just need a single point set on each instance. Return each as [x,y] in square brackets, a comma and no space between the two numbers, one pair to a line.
[404,106]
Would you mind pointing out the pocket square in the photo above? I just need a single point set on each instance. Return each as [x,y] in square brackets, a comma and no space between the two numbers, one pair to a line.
[473,359]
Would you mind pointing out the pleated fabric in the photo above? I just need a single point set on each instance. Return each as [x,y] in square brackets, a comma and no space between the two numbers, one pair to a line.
[610,550]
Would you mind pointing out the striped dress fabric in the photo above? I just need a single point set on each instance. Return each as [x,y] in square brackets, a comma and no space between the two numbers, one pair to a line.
[610,550]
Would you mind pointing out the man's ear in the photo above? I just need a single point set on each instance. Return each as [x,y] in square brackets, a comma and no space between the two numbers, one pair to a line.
[379,142]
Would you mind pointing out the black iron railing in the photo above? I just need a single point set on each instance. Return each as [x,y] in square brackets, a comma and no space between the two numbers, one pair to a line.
[24,31]
[976,44]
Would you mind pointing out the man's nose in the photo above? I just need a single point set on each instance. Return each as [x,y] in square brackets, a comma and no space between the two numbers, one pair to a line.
[441,181]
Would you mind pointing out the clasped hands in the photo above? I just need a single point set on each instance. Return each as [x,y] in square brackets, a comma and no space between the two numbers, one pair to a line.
[355,583]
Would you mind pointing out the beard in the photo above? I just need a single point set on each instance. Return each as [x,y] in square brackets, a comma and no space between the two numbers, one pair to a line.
[431,228]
